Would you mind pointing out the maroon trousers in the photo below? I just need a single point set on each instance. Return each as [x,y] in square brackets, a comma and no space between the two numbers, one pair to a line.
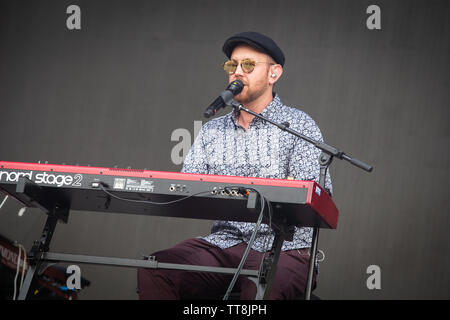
[165,284]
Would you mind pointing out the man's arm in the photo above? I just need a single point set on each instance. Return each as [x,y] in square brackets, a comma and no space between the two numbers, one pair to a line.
[304,161]
[196,159]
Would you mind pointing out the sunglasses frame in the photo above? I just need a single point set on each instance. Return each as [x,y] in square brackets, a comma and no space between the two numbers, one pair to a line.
[236,64]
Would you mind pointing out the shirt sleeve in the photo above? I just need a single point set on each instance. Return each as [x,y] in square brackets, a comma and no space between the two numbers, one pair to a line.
[196,159]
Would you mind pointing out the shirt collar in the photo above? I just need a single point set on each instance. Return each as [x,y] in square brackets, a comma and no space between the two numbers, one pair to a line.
[266,112]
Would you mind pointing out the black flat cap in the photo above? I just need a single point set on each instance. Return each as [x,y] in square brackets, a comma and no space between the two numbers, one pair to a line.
[256,40]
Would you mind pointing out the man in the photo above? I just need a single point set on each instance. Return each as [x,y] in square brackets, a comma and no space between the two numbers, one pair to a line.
[239,144]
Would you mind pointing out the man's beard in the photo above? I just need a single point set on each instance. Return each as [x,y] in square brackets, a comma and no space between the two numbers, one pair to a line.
[247,95]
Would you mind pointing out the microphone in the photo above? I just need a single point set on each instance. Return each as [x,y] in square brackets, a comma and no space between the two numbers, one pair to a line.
[233,89]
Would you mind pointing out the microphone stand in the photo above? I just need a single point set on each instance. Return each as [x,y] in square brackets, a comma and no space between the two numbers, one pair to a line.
[325,159]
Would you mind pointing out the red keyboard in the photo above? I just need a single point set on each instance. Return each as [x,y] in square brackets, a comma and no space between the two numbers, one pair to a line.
[197,196]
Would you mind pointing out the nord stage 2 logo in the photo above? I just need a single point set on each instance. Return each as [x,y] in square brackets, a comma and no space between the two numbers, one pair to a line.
[43,178]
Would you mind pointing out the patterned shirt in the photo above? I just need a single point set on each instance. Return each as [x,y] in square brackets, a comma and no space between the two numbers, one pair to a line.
[223,147]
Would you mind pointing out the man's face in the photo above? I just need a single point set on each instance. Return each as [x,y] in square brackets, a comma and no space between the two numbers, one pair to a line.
[256,83]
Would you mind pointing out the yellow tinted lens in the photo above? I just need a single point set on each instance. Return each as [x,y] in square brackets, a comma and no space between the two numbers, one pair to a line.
[230,66]
[248,65]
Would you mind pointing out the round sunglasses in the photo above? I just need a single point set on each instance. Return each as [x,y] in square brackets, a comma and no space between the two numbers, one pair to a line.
[247,65]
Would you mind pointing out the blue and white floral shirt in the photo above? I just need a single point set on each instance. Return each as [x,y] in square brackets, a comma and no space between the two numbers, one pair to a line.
[223,147]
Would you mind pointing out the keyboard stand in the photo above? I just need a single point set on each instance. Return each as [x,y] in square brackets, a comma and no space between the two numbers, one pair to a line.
[268,268]
[57,209]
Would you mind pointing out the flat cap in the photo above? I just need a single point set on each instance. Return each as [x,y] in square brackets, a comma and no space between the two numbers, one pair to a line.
[256,40]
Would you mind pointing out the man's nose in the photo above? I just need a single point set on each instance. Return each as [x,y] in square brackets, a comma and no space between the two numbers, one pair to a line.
[239,71]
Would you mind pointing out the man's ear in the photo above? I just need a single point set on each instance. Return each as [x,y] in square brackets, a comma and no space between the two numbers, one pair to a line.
[275,73]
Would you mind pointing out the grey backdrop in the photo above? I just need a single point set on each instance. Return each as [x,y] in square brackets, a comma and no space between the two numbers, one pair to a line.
[113,93]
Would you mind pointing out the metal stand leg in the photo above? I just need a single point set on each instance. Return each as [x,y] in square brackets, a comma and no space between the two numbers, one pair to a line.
[39,247]
[312,261]
[325,160]
[269,266]
[268,269]
[27,282]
